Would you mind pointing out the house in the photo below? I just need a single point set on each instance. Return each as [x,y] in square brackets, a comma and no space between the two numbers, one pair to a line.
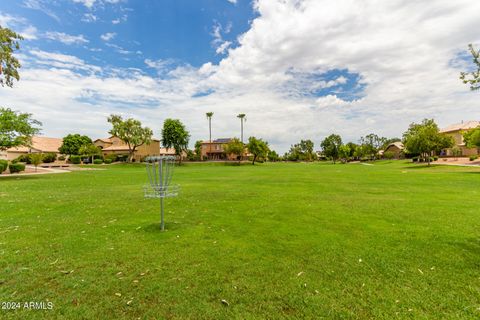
[456,131]
[214,150]
[396,148]
[115,145]
[38,145]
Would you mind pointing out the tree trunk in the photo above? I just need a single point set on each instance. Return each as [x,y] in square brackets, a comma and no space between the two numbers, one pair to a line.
[254,158]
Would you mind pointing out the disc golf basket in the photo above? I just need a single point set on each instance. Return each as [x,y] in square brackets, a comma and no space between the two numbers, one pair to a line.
[160,172]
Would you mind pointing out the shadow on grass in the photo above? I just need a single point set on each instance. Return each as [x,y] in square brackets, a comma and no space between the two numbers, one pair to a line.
[20,177]
[155,227]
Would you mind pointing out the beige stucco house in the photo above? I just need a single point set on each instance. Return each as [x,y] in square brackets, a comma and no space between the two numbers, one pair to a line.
[214,150]
[114,145]
[396,148]
[38,145]
[456,131]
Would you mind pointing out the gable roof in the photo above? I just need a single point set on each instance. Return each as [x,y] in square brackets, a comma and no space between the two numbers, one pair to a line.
[41,144]
[461,126]
[397,144]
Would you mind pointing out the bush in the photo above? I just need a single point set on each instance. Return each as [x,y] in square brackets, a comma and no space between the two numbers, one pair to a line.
[435,158]
[389,155]
[61,158]
[16,167]
[122,157]
[98,156]
[473,157]
[49,157]
[108,161]
[23,158]
[97,161]
[111,157]
[3,165]
[415,159]
[75,159]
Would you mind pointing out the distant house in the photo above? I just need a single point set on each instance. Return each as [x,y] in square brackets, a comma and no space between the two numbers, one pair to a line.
[456,131]
[396,148]
[214,150]
[38,145]
[115,145]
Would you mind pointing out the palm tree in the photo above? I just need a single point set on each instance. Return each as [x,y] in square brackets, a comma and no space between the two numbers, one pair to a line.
[242,118]
[209,117]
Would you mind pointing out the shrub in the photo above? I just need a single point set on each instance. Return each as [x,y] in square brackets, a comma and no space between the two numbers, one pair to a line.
[49,157]
[3,165]
[389,155]
[16,167]
[98,156]
[415,159]
[435,158]
[23,158]
[108,161]
[97,161]
[61,158]
[122,157]
[75,159]
[111,157]
[473,157]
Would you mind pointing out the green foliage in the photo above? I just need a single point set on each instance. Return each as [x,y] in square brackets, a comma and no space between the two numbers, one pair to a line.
[472,138]
[3,165]
[235,147]
[174,135]
[424,138]
[302,151]
[473,157]
[107,161]
[258,147]
[112,157]
[273,156]
[344,153]
[97,161]
[456,151]
[371,145]
[49,157]
[9,65]
[16,167]
[191,155]
[61,158]
[389,155]
[36,159]
[75,159]
[22,158]
[472,78]
[16,129]
[331,146]
[131,132]
[73,142]
[198,150]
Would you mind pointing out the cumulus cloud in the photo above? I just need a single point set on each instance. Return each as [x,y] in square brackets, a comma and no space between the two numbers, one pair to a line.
[395,56]
[66,38]
[108,36]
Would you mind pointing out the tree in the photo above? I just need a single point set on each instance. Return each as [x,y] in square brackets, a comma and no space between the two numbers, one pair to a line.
[258,148]
[16,129]
[372,144]
[174,135]
[273,156]
[131,132]
[72,143]
[424,138]
[344,153]
[9,65]
[209,117]
[472,138]
[353,148]
[242,118]
[302,151]
[89,150]
[235,147]
[198,149]
[36,159]
[472,78]
[331,145]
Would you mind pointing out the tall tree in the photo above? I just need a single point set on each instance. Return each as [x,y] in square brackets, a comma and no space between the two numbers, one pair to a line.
[9,65]
[344,153]
[473,78]
[258,148]
[72,143]
[16,129]
[209,117]
[424,138]
[372,144]
[131,132]
[89,150]
[331,146]
[242,117]
[472,138]
[235,147]
[198,149]
[174,135]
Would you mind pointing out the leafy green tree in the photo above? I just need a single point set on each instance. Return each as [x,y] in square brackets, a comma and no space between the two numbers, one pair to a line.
[36,159]
[472,78]
[424,138]
[258,148]
[372,144]
[235,147]
[198,150]
[302,151]
[9,65]
[16,129]
[472,138]
[273,156]
[89,150]
[353,147]
[344,153]
[72,143]
[131,132]
[174,135]
[331,146]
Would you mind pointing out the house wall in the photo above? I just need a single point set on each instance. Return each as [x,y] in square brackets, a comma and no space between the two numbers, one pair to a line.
[458,139]
[396,151]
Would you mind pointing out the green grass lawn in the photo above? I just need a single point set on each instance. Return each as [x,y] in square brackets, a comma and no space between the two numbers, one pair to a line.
[391,240]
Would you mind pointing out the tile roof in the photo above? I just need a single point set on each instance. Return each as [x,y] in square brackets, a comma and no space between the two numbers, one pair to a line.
[41,144]
[461,126]
[397,144]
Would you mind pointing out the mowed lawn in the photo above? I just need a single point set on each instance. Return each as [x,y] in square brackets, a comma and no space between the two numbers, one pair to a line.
[389,240]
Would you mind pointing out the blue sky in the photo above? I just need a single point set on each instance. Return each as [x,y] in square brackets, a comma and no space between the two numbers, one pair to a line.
[299,69]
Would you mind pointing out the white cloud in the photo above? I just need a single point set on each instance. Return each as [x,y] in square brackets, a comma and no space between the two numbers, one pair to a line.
[221,46]
[27,31]
[40,5]
[402,52]
[66,38]
[108,36]
[87,3]
[232,1]
[89,17]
